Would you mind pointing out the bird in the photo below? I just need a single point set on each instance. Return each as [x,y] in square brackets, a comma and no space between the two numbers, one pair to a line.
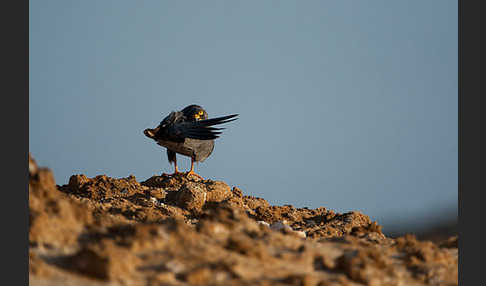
[188,132]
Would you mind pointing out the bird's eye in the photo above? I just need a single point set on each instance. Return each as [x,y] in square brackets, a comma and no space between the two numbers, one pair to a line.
[199,115]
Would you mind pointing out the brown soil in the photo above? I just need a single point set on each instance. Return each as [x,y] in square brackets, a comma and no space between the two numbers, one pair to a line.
[187,231]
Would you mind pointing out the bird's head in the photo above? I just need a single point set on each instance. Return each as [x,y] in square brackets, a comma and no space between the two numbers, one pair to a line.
[195,112]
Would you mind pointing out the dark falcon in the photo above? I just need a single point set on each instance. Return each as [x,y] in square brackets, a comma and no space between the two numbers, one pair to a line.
[188,132]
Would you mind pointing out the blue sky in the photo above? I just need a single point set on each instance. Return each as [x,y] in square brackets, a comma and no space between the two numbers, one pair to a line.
[350,105]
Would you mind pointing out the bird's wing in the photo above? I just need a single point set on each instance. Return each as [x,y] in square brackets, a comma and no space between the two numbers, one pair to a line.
[173,117]
[200,129]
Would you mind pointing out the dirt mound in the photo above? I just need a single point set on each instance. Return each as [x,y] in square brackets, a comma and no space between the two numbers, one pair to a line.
[186,231]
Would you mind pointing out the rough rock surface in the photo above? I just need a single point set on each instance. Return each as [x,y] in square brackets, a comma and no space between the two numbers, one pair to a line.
[187,231]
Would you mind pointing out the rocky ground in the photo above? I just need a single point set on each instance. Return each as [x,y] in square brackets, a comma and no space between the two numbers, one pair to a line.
[187,231]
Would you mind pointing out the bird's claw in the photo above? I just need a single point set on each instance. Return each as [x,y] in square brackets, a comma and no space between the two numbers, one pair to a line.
[194,174]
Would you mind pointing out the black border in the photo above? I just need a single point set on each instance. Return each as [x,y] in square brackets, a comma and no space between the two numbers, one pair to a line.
[15,119]
[471,141]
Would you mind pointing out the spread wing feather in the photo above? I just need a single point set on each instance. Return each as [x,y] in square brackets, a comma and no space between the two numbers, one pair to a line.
[201,129]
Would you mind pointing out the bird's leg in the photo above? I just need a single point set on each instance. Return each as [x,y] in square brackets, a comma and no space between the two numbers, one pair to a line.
[191,172]
[176,171]
[175,167]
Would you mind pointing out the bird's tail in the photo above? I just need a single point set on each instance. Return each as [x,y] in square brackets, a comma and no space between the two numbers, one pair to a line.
[150,133]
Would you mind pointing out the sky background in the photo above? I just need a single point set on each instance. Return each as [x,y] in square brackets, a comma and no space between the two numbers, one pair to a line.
[350,105]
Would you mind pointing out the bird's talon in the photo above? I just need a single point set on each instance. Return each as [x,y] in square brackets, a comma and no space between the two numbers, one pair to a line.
[194,174]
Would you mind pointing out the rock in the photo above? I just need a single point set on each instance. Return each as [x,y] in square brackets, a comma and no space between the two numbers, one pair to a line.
[55,220]
[183,231]
[157,193]
[201,276]
[217,191]
[283,227]
[237,192]
[110,263]
[263,223]
[191,197]
[32,166]
[300,233]
[279,225]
